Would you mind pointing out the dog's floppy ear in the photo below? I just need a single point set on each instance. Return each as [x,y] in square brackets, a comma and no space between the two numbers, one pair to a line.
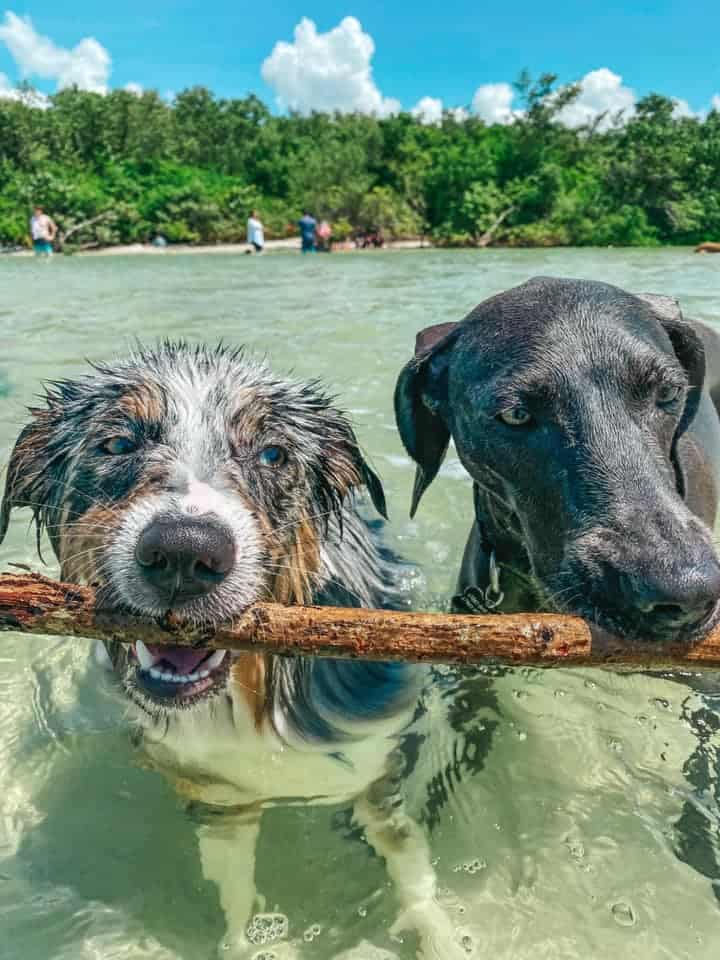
[374,486]
[344,468]
[689,350]
[29,475]
[424,433]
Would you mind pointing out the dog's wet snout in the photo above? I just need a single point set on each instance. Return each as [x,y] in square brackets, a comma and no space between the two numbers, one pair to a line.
[675,598]
[185,557]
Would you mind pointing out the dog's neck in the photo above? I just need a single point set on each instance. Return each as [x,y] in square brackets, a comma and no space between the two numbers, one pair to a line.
[496,534]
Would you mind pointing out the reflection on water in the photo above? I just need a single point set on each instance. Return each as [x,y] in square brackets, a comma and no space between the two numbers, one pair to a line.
[574,814]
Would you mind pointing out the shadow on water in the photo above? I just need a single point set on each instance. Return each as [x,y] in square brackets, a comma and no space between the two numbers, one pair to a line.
[698,828]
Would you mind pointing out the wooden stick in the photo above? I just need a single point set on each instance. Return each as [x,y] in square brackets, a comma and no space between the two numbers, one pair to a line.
[36,604]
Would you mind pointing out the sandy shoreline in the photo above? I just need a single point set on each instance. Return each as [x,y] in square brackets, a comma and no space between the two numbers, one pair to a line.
[292,244]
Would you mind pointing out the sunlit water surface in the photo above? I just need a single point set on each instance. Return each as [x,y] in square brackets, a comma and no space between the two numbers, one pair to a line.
[580,817]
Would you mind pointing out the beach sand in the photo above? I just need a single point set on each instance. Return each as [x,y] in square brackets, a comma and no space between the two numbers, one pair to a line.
[292,243]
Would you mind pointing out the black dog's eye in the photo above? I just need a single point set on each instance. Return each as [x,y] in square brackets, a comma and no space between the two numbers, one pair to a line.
[272,456]
[668,394]
[516,417]
[118,446]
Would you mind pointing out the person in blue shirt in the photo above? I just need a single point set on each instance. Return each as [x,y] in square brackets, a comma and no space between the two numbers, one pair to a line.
[307,225]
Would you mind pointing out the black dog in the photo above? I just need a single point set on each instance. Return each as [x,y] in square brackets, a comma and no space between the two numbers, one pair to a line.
[585,417]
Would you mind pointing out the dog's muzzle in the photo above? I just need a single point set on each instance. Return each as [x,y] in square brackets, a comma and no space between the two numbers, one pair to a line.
[182,559]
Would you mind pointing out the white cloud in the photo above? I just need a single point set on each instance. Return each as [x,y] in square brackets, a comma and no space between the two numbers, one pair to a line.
[428,110]
[715,103]
[601,92]
[431,110]
[327,71]
[30,97]
[492,102]
[136,88]
[87,65]
[682,109]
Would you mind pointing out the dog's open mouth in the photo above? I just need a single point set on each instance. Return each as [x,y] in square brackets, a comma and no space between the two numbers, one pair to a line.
[179,673]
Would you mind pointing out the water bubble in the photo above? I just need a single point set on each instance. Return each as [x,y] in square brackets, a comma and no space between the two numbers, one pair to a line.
[314,930]
[474,866]
[615,745]
[623,914]
[267,928]
[575,849]
[467,944]
[264,955]
[362,911]
[661,702]
[521,735]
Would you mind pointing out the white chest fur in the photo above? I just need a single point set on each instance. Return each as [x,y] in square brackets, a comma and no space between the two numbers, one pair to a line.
[220,749]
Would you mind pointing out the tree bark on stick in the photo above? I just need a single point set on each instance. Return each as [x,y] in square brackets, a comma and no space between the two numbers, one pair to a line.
[38,605]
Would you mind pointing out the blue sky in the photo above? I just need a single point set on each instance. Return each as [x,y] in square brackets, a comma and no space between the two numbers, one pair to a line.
[440,50]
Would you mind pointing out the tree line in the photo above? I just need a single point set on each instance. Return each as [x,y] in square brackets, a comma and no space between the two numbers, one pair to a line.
[132,166]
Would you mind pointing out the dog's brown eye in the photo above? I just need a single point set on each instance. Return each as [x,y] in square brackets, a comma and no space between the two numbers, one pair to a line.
[272,456]
[117,446]
[516,417]
[668,394]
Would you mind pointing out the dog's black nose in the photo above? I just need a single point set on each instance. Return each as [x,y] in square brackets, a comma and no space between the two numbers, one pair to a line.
[670,600]
[184,558]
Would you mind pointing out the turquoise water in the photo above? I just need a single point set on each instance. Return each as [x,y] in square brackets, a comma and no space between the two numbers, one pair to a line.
[589,825]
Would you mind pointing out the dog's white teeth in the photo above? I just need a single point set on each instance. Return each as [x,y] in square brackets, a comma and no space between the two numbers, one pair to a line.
[194,676]
[203,673]
[169,677]
[215,660]
[155,674]
[145,658]
[182,678]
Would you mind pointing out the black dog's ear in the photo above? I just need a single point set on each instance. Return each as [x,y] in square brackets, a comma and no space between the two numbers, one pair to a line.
[423,431]
[690,351]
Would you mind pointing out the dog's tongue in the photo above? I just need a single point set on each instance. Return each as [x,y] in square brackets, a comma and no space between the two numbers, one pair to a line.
[185,660]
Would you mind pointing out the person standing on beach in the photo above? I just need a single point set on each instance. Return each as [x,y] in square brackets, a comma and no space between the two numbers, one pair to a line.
[324,233]
[307,225]
[43,231]
[255,232]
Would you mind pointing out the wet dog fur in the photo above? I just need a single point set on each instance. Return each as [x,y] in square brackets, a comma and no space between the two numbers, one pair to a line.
[183,445]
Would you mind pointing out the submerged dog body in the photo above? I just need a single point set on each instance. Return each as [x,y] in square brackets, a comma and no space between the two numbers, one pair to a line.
[194,481]
[584,416]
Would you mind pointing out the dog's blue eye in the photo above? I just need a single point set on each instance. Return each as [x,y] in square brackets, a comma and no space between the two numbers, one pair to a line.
[668,394]
[117,446]
[273,456]
[516,417]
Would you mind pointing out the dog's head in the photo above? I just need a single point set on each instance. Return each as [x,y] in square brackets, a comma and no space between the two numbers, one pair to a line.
[569,404]
[190,480]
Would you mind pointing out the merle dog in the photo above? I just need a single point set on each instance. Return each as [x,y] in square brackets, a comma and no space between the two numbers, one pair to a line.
[585,417]
[195,481]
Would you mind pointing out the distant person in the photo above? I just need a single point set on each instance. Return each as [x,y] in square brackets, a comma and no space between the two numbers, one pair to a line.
[324,232]
[255,233]
[307,224]
[43,231]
